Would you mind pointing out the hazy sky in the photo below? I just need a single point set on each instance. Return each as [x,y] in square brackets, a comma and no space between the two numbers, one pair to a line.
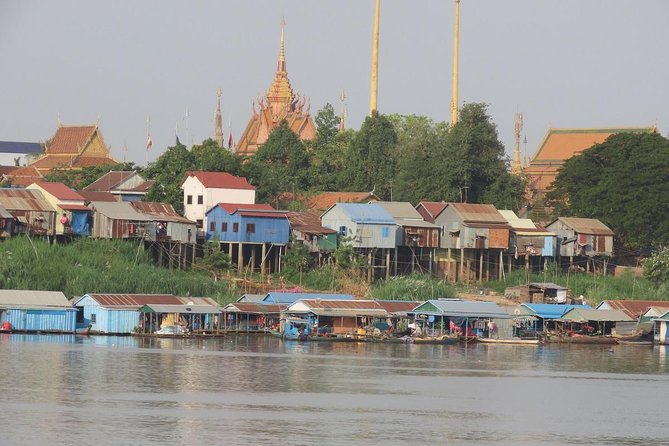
[562,63]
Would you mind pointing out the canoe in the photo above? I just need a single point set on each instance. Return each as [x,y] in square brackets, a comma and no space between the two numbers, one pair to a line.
[582,339]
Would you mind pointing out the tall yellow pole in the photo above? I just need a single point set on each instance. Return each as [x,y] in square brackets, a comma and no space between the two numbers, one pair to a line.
[454,100]
[375,62]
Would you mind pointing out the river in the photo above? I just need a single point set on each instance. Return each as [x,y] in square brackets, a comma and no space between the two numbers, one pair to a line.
[254,389]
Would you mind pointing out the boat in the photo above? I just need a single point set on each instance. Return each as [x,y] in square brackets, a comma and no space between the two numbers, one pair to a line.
[171,330]
[581,339]
[509,341]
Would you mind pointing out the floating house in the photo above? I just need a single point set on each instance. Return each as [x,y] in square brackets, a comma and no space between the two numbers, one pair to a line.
[37,311]
[470,319]
[119,220]
[251,316]
[123,185]
[529,244]
[602,322]
[32,213]
[72,215]
[253,234]
[306,229]
[281,297]
[136,313]
[661,329]
[546,315]
[168,224]
[539,293]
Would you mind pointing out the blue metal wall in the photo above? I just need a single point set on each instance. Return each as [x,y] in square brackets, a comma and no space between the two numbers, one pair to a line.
[267,229]
[108,320]
[41,319]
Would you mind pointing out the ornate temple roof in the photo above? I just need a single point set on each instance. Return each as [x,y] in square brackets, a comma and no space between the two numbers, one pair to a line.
[279,103]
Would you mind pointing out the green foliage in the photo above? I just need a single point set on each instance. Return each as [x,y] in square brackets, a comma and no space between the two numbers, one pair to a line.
[214,259]
[281,164]
[297,259]
[373,164]
[656,268]
[168,172]
[79,179]
[102,266]
[345,256]
[211,157]
[623,182]
[415,287]
[329,152]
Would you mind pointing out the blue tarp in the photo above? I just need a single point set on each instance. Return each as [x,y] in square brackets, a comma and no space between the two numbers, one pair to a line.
[79,223]
[552,311]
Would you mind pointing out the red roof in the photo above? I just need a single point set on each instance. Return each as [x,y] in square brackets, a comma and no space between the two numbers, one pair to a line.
[97,196]
[635,308]
[325,200]
[135,300]
[164,210]
[109,180]
[220,180]
[60,191]
[74,207]
[432,208]
[21,176]
[70,139]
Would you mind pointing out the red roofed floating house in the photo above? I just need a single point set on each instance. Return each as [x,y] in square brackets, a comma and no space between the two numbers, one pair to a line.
[244,229]
[73,148]
[203,190]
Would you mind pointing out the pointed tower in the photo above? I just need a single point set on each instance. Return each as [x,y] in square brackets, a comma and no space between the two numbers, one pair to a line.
[374,89]
[342,117]
[278,104]
[456,50]
[218,121]
[517,166]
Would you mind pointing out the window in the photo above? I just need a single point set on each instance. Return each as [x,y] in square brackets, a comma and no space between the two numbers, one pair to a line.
[199,224]
[250,228]
[385,231]
[212,226]
[189,199]
[92,318]
[224,227]
[200,199]
[235,227]
[342,231]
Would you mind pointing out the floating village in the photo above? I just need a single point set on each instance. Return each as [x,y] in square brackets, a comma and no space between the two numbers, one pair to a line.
[295,315]
[455,241]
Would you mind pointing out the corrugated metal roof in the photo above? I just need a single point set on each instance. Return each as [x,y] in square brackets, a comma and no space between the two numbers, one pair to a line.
[433,208]
[163,211]
[400,209]
[194,309]
[60,190]
[581,315]
[308,223]
[478,213]
[24,200]
[288,298]
[552,311]
[366,213]
[4,213]
[248,297]
[398,306]
[589,226]
[97,196]
[466,308]
[412,223]
[20,147]
[632,308]
[134,300]
[74,207]
[255,307]
[325,200]
[110,180]
[120,210]
[547,286]
[33,299]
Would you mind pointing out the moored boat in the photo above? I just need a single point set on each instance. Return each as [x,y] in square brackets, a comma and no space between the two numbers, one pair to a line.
[509,341]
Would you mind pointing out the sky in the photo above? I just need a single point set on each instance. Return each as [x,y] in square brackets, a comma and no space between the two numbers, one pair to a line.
[562,63]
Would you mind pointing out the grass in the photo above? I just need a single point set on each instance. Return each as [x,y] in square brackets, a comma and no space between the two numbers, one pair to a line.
[99,266]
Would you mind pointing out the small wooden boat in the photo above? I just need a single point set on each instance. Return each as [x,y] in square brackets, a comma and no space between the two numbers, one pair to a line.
[509,341]
[580,339]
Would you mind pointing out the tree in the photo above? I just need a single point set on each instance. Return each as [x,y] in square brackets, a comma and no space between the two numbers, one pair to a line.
[168,172]
[623,182]
[329,152]
[280,164]
[372,156]
[211,157]
[214,259]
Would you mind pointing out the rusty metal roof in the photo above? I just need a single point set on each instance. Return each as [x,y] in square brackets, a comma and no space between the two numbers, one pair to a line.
[138,300]
[308,223]
[162,210]
[478,213]
[59,190]
[632,308]
[255,307]
[588,226]
[24,200]
[398,306]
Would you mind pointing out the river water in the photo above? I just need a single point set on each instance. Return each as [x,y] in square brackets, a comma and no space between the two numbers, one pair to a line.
[254,389]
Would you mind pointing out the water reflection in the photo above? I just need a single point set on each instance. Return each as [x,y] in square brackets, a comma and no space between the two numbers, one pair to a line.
[261,390]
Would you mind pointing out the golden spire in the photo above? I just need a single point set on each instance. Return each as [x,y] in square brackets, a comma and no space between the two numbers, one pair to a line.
[375,61]
[456,33]
[342,118]
[280,94]
[517,166]
[218,121]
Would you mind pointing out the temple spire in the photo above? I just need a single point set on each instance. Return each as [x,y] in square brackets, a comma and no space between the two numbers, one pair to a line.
[280,96]
[218,121]
[373,95]
[516,165]
[456,48]
[342,117]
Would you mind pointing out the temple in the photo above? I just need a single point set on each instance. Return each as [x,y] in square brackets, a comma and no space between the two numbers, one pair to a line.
[73,148]
[280,103]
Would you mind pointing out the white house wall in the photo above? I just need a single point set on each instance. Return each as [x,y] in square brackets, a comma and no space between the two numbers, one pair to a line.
[211,197]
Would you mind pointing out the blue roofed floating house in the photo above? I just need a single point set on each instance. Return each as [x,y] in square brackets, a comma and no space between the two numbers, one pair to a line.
[143,313]
[369,228]
[281,297]
[253,235]
[37,311]
[661,329]
[545,314]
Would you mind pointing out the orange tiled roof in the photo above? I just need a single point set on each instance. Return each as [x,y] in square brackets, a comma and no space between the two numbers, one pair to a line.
[325,200]
[48,162]
[21,176]
[70,139]
[59,190]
